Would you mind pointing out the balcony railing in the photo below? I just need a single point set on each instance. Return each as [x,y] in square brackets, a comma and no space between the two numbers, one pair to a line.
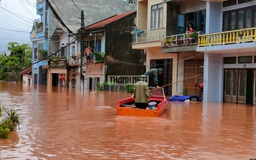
[149,35]
[228,37]
[74,61]
[60,63]
[180,39]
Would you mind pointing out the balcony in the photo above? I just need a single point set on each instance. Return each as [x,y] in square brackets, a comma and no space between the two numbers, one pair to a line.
[73,61]
[180,42]
[58,63]
[229,40]
[150,35]
[148,38]
[37,29]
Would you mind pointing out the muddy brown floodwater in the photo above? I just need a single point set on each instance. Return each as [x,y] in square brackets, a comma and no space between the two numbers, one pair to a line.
[63,124]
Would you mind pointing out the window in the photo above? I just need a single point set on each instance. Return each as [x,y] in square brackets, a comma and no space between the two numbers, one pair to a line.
[248,18]
[229,3]
[225,22]
[234,2]
[243,1]
[197,19]
[229,60]
[245,59]
[240,18]
[157,16]
[233,20]
[35,53]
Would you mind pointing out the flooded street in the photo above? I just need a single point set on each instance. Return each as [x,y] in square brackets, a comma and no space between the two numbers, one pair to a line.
[60,123]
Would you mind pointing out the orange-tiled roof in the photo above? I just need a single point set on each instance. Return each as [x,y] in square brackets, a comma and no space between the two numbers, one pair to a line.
[27,70]
[103,23]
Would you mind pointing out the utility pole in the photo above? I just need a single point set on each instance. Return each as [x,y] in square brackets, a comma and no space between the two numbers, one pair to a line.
[82,50]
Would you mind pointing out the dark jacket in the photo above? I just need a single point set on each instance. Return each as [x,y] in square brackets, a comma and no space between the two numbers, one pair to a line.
[152,76]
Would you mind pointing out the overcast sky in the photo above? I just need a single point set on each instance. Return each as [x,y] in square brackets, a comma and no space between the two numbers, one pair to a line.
[16,20]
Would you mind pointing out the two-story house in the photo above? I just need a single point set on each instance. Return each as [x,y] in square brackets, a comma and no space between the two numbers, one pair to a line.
[113,37]
[45,41]
[219,54]
[167,46]
[229,51]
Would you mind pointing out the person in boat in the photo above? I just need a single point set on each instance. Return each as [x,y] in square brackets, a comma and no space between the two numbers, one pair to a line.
[153,75]
[141,93]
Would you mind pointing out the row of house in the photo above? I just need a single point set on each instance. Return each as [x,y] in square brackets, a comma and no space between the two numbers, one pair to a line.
[221,54]
[64,47]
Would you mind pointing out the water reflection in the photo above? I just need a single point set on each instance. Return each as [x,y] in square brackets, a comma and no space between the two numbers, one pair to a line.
[60,123]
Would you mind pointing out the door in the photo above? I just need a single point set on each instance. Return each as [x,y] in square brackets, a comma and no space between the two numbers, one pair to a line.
[242,86]
[193,76]
[230,90]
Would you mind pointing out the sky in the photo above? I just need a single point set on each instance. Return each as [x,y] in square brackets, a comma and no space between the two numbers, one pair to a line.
[16,20]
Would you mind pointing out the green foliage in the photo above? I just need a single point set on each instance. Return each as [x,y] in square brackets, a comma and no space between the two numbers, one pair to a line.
[13,116]
[168,40]
[4,132]
[129,87]
[9,123]
[100,86]
[99,57]
[19,58]
[194,34]
[28,57]
[63,57]
[54,58]
[37,23]
[43,53]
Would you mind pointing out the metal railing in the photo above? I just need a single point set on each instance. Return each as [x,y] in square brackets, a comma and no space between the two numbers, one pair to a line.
[149,35]
[180,39]
[227,37]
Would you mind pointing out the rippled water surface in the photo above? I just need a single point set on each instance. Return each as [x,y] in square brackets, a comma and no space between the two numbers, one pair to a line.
[60,123]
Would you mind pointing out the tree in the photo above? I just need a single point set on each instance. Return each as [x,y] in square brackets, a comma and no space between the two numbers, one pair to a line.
[20,57]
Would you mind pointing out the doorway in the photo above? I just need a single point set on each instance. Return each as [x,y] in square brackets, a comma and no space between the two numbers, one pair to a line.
[55,79]
[166,78]
[239,86]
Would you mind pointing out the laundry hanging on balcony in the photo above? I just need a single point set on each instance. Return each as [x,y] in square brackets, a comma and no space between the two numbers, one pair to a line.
[138,31]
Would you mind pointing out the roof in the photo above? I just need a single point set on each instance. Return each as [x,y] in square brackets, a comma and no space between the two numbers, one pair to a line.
[27,70]
[105,22]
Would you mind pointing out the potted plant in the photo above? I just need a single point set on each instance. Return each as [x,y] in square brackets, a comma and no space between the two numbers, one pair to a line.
[42,54]
[37,25]
[194,36]
[165,41]
[99,57]
[171,39]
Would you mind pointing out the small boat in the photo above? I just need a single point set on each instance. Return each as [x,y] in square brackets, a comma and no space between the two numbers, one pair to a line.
[157,104]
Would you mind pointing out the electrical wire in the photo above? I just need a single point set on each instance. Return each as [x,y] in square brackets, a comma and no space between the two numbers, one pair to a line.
[27,9]
[14,30]
[17,15]
[76,5]
[62,14]
[32,4]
